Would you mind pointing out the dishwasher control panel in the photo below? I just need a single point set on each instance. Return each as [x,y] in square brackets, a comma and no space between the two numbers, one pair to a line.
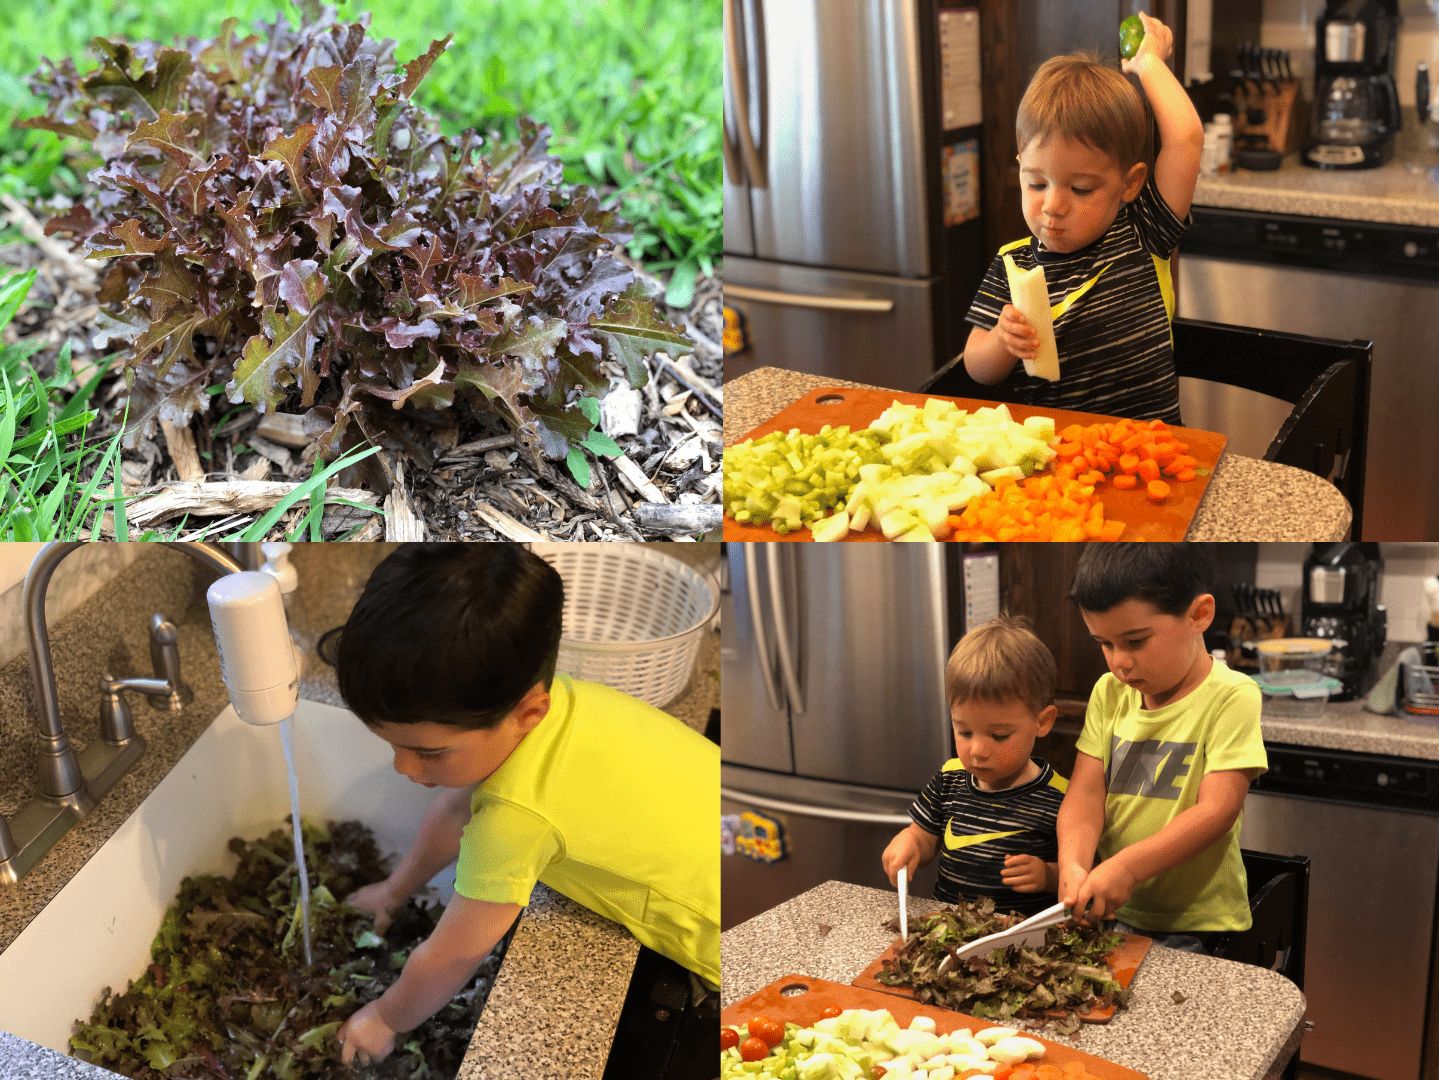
[1404,783]
[1360,247]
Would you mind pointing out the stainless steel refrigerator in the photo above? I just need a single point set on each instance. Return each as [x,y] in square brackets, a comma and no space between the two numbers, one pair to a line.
[852,237]
[833,672]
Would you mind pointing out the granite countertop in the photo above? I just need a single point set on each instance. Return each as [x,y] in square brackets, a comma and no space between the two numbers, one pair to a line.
[1237,1022]
[561,987]
[1247,499]
[1403,191]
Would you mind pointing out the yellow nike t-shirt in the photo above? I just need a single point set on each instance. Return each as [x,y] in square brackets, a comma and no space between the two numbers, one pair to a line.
[1154,761]
[613,803]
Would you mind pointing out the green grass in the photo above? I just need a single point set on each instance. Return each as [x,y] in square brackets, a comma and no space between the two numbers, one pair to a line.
[631,89]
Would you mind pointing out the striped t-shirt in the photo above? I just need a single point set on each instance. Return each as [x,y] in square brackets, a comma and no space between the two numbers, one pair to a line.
[1112,304]
[977,829]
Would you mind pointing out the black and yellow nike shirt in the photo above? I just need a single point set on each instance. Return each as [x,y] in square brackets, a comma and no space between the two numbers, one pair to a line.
[1112,304]
[977,829]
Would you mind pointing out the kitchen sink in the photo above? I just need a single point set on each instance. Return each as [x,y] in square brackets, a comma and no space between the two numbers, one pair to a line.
[97,931]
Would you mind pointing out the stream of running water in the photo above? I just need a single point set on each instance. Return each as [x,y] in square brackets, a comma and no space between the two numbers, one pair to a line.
[287,738]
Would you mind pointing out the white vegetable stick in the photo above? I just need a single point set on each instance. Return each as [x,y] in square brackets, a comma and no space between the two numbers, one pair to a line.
[1030,294]
[903,896]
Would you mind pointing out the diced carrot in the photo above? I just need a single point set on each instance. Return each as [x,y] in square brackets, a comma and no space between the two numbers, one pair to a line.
[1158,425]
[1097,511]
[954,522]
[1093,529]
[1128,463]
[1184,474]
[1158,491]
[1072,433]
[1048,1072]
[1074,1067]
[1090,436]
[1148,469]
[1112,530]
[1135,441]
[1067,449]
[1022,1072]
[1184,461]
[1182,447]
[1125,481]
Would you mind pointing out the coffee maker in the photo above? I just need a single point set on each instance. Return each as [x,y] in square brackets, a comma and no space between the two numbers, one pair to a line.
[1341,602]
[1356,106]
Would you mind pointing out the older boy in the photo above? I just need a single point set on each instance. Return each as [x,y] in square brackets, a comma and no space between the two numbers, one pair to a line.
[990,812]
[1103,230]
[1171,742]
[449,656]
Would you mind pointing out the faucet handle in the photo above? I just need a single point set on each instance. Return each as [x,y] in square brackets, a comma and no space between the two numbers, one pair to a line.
[165,658]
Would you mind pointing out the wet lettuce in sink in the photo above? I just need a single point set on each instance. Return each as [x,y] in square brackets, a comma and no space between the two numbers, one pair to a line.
[226,996]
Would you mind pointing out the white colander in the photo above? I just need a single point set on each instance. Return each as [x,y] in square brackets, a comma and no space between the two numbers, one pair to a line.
[634,619]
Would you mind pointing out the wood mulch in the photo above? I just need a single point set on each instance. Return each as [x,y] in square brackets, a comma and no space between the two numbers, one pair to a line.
[462,476]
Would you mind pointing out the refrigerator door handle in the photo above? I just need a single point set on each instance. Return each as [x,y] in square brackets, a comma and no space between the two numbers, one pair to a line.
[740,82]
[789,299]
[809,810]
[781,628]
[756,609]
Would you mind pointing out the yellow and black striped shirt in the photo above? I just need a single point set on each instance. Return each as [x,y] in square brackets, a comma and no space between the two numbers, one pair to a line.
[977,829]
[1112,304]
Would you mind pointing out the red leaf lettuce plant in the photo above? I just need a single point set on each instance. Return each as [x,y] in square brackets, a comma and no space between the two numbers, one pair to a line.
[285,220]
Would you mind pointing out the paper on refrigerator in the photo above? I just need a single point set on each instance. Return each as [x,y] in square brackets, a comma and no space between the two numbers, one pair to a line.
[1029,293]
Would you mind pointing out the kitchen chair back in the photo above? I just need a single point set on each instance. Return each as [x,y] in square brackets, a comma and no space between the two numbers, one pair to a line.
[1279,905]
[1326,381]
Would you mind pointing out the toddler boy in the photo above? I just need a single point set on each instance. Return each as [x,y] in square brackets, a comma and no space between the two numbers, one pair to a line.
[1103,229]
[989,813]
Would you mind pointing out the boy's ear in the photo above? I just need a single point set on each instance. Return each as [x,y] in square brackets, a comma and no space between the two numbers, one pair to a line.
[1134,181]
[1201,612]
[532,709]
[1046,718]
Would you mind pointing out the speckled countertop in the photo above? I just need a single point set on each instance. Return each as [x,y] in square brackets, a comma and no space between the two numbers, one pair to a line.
[562,984]
[1247,499]
[1400,192]
[1237,1022]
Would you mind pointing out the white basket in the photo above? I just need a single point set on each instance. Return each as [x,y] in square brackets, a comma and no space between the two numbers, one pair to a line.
[634,619]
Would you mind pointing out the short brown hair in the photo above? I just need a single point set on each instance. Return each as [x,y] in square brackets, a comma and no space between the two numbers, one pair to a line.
[1001,661]
[1080,98]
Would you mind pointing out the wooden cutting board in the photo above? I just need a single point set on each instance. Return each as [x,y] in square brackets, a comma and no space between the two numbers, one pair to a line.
[860,408]
[798,999]
[1123,961]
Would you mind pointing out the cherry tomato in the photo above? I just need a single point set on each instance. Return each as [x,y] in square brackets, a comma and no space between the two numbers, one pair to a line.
[771,1031]
[728,1037]
[753,1049]
[832,1010]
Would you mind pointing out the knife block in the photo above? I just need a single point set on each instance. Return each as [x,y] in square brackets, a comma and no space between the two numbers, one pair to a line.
[1282,128]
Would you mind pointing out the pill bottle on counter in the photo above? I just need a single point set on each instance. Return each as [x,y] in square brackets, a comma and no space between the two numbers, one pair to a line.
[1224,129]
[1209,159]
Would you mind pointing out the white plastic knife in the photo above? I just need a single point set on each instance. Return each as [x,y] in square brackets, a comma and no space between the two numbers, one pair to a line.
[1030,932]
[903,896]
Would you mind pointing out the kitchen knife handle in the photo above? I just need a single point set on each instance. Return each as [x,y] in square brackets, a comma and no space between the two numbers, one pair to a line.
[781,627]
[756,614]
[738,81]
[834,303]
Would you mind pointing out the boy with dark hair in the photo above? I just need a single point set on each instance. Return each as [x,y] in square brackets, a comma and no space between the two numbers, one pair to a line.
[449,656]
[989,813]
[1171,742]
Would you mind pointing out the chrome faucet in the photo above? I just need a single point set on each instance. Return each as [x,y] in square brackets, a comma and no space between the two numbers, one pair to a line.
[71,784]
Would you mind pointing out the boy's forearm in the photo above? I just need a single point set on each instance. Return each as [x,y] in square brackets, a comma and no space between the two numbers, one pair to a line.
[1079,825]
[986,358]
[927,843]
[1186,835]
[436,846]
[1174,113]
[427,982]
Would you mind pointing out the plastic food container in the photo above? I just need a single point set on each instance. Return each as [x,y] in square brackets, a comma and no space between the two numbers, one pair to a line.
[1295,654]
[1297,693]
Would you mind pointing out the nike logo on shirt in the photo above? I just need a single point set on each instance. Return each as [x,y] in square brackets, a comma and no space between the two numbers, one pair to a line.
[954,843]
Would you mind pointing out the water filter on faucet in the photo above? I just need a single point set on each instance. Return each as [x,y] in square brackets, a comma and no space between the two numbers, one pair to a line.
[259,662]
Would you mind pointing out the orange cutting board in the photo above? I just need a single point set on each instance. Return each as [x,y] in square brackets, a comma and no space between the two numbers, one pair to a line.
[860,408]
[1123,961]
[811,996]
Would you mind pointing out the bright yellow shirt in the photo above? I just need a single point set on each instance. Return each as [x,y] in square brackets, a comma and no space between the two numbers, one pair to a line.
[1154,761]
[613,803]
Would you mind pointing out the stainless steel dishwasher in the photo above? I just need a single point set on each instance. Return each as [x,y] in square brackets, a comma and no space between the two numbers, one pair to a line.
[1370,826]
[1334,279]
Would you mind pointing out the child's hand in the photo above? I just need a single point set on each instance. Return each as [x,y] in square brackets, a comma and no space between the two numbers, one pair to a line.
[1158,40]
[902,851]
[378,900]
[366,1035]
[1104,892]
[1071,877]
[1021,339]
[1023,873]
